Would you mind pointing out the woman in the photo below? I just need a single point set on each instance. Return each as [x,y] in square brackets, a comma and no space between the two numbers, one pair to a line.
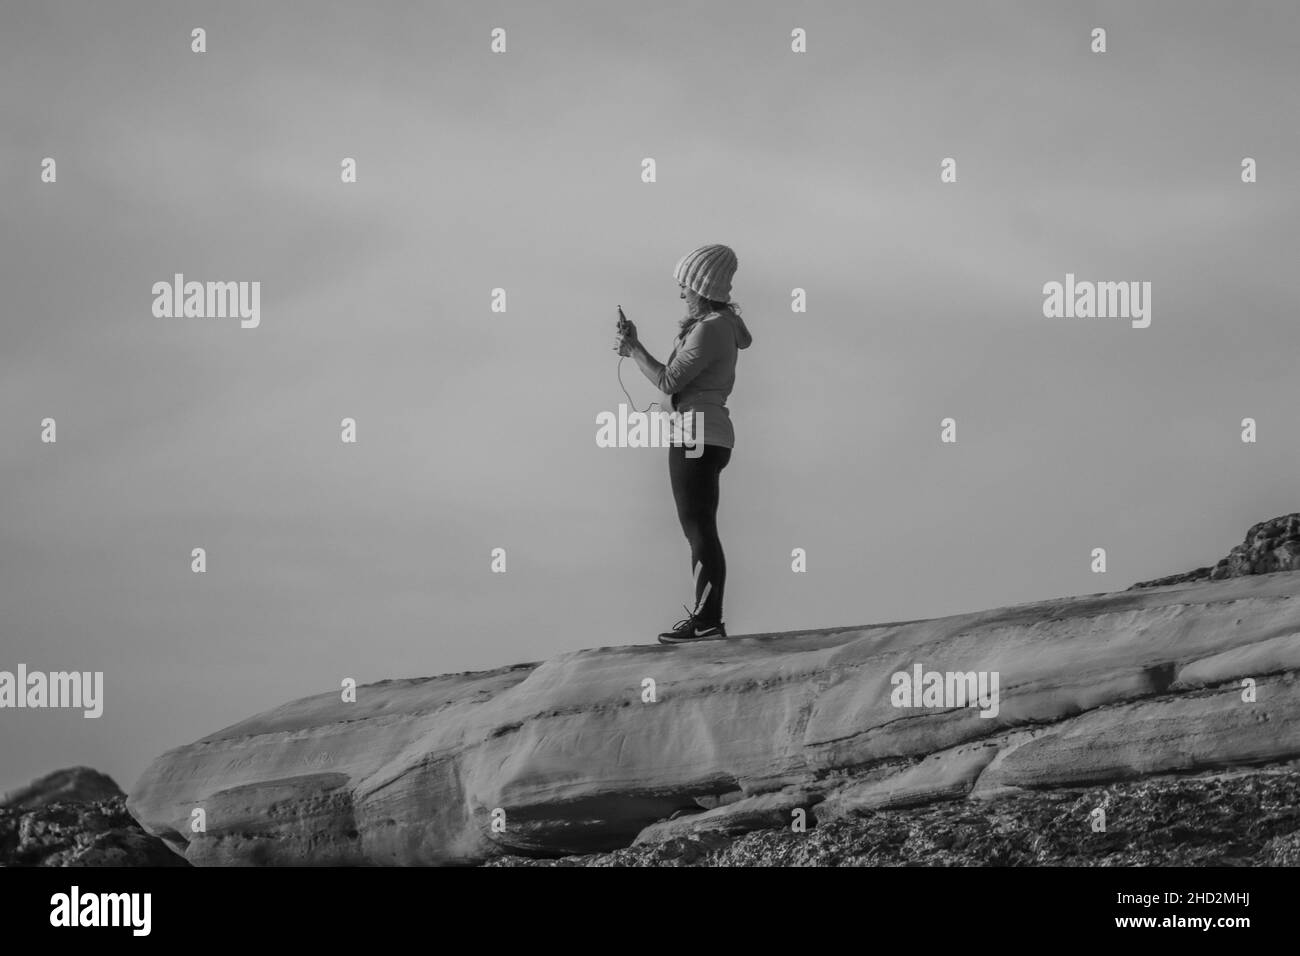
[699,376]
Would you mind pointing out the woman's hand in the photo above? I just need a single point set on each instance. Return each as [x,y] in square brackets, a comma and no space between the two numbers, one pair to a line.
[626,337]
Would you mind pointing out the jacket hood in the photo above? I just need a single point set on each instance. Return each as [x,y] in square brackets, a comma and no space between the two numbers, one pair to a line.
[743,339]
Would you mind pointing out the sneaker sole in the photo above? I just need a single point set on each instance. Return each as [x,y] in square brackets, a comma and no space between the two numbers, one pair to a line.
[691,640]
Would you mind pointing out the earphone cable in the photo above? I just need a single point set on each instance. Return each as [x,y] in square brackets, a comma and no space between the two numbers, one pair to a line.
[624,388]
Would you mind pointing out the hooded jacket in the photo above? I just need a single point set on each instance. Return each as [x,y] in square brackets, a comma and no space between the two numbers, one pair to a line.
[701,371]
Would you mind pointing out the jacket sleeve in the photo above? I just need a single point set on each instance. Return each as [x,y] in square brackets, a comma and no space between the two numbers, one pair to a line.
[692,357]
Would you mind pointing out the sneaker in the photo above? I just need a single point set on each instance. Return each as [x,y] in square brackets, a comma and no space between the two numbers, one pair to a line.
[691,629]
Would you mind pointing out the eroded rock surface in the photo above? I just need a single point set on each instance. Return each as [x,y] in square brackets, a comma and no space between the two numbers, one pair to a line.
[1094,690]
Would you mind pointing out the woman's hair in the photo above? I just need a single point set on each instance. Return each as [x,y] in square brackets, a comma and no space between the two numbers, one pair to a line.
[716,306]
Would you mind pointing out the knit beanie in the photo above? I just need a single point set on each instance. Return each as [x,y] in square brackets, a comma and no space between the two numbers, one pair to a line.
[707,272]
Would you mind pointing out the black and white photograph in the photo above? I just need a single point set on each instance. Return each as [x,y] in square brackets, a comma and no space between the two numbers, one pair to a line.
[791,437]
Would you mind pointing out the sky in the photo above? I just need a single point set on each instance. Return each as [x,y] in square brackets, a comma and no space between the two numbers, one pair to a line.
[476,429]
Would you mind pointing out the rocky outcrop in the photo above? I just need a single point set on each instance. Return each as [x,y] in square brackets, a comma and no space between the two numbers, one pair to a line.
[73,785]
[601,749]
[1270,546]
[1235,818]
[98,833]
[75,817]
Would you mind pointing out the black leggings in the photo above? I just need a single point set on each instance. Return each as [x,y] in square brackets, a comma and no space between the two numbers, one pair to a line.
[695,489]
